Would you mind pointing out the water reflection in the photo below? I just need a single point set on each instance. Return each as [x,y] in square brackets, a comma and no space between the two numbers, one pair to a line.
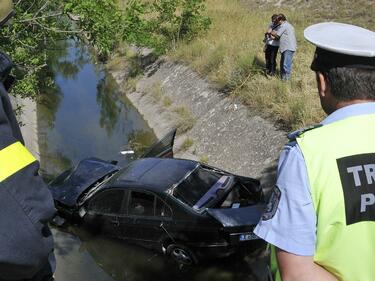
[82,115]
[117,260]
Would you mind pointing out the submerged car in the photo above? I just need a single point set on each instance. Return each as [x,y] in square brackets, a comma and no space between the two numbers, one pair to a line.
[184,208]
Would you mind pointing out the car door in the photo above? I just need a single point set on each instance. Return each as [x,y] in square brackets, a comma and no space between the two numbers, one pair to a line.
[162,148]
[146,214]
[104,210]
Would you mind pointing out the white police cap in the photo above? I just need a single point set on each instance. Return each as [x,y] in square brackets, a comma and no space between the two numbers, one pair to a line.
[342,38]
[341,45]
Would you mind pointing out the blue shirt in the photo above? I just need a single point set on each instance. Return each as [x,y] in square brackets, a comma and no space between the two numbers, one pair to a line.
[291,222]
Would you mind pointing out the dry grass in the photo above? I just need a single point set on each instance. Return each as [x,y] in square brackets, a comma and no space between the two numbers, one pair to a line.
[187,144]
[204,159]
[157,91]
[185,119]
[231,55]
[167,101]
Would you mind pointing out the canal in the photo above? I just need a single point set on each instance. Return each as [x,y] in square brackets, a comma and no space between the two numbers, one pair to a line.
[82,116]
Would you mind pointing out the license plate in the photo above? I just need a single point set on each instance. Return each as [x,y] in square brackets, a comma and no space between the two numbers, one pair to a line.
[247,236]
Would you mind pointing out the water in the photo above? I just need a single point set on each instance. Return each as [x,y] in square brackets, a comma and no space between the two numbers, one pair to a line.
[83,117]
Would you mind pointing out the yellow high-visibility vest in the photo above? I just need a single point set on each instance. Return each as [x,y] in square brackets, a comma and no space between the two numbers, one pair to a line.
[340,161]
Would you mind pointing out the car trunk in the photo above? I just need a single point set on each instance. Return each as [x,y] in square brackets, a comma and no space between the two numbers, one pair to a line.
[240,209]
[237,217]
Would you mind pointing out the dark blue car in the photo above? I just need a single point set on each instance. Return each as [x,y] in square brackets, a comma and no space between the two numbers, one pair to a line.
[183,208]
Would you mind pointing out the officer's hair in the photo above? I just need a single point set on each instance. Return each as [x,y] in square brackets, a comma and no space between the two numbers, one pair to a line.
[351,83]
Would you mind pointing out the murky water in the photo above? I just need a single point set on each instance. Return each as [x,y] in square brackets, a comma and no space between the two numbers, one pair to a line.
[83,117]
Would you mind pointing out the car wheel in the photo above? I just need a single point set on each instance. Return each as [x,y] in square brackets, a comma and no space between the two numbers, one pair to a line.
[181,254]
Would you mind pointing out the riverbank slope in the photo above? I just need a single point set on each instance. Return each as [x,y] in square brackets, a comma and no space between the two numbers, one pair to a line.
[212,127]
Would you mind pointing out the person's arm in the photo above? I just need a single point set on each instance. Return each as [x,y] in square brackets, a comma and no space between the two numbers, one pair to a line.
[274,34]
[301,268]
[26,205]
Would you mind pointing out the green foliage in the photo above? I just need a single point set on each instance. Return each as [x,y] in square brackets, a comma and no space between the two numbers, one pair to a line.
[36,27]
[39,25]
[101,20]
[160,24]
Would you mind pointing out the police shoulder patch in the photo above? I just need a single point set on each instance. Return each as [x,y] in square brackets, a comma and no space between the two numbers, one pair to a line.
[294,135]
[272,204]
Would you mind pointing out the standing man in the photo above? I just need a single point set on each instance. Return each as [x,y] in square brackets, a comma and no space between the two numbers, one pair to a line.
[271,47]
[26,205]
[321,215]
[288,45]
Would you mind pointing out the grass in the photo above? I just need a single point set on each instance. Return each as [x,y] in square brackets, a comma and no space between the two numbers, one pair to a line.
[204,159]
[188,142]
[157,91]
[185,119]
[167,101]
[230,53]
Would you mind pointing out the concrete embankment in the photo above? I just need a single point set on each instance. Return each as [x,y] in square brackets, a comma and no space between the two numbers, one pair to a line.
[225,133]
[29,123]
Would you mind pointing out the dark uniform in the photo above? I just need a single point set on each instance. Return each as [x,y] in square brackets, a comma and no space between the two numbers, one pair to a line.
[26,205]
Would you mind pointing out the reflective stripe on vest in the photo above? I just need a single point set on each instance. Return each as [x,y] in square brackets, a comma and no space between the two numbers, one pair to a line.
[13,158]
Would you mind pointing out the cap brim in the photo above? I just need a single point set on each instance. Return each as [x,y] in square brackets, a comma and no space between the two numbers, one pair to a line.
[342,38]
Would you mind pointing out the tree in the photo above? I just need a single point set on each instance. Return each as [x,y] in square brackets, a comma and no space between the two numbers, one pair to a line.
[40,24]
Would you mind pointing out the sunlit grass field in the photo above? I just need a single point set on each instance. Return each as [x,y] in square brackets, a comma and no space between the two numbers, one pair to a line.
[230,54]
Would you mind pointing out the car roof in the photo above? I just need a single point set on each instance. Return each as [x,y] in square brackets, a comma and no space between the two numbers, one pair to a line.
[156,174]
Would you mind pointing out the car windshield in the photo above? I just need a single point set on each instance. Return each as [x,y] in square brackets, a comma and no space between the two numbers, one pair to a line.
[195,185]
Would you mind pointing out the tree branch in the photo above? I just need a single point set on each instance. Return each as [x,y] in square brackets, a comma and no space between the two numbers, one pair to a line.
[57,30]
[43,17]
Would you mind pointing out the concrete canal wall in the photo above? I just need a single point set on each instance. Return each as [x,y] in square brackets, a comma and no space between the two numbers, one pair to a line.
[29,122]
[225,133]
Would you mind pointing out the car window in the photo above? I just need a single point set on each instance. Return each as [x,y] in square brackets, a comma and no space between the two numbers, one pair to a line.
[141,204]
[107,202]
[196,185]
[162,209]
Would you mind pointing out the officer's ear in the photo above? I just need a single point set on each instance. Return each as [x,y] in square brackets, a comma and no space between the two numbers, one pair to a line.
[323,84]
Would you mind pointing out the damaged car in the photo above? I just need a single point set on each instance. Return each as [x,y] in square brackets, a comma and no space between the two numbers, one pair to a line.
[186,209]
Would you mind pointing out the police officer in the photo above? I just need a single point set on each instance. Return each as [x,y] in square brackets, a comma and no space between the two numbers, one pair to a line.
[26,205]
[321,215]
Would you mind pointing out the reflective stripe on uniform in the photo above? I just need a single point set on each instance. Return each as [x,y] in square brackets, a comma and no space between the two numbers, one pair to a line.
[13,158]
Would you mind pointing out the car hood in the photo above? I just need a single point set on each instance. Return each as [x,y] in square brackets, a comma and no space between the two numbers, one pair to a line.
[233,217]
[68,188]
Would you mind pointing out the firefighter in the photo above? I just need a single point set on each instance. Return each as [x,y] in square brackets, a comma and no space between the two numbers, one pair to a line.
[26,205]
[321,216]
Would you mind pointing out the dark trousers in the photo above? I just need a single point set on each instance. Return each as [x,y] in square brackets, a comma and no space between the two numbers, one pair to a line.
[271,54]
